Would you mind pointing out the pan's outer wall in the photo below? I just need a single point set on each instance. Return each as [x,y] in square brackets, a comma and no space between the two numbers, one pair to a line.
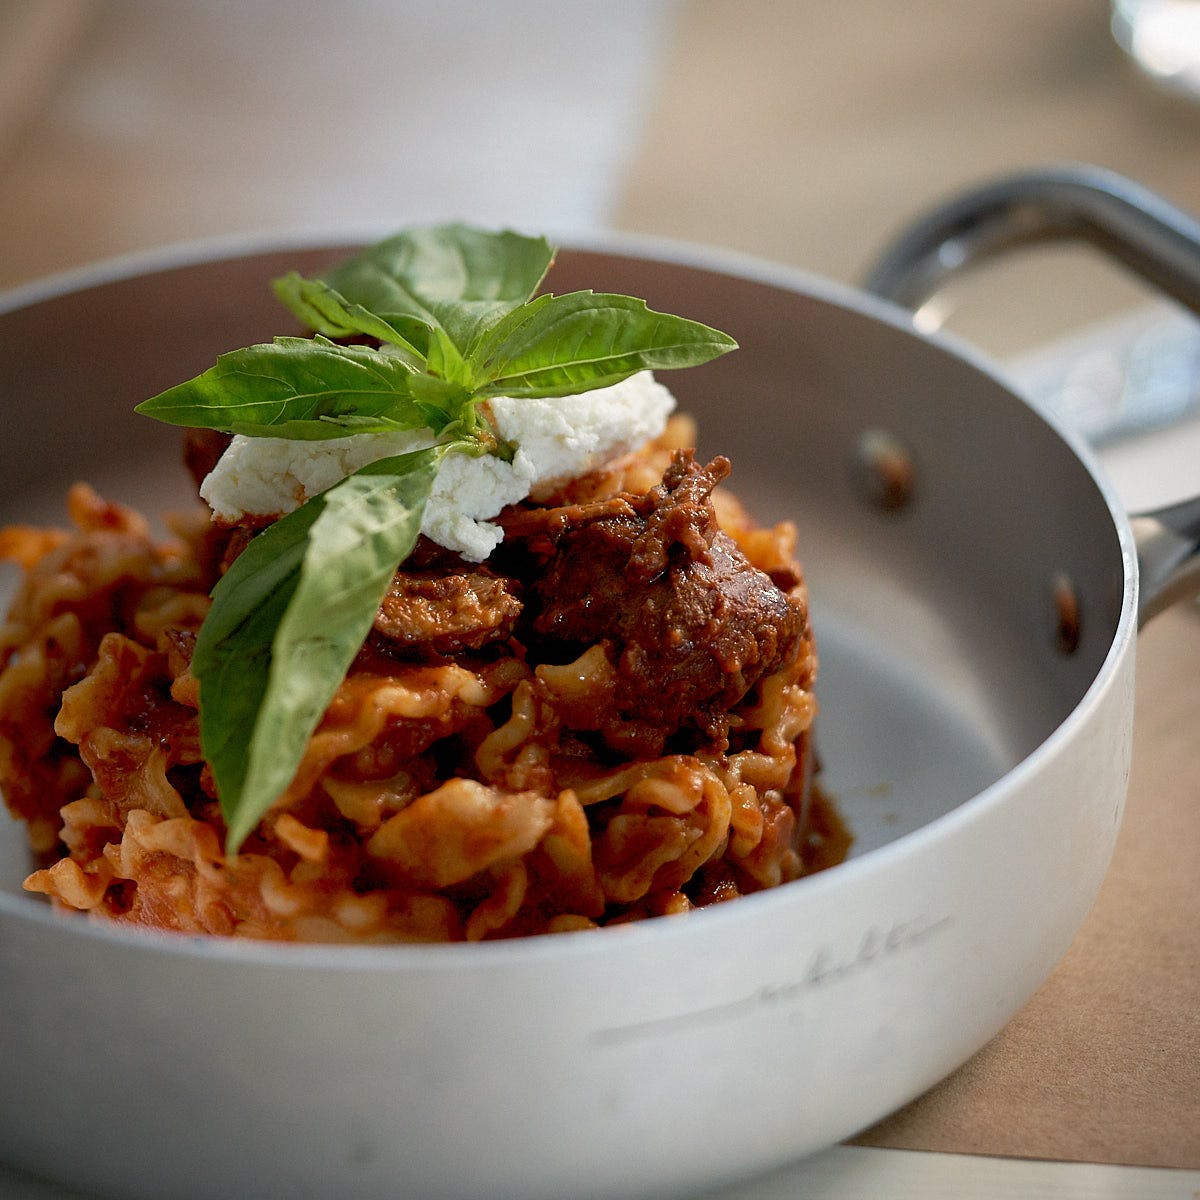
[656,1060]
[634,1063]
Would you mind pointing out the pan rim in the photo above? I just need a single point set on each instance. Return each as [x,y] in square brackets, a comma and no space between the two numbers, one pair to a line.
[352,959]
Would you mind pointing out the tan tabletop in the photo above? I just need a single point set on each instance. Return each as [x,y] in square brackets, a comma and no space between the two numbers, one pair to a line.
[805,132]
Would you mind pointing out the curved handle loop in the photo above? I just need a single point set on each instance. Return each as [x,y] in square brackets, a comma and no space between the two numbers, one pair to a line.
[1140,229]
[1168,545]
[1152,237]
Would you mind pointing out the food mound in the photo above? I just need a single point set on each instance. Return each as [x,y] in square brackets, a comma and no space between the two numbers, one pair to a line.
[607,719]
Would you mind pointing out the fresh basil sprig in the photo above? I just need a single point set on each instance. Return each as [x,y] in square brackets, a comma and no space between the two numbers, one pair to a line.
[455,314]
[287,619]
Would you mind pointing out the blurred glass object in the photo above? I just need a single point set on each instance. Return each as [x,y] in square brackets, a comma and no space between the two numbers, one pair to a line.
[1122,378]
[1163,38]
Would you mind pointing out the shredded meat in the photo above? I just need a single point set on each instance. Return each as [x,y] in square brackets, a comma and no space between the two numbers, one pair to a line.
[441,613]
[690,625]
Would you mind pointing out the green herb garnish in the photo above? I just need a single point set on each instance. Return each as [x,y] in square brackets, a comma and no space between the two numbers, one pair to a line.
[458,320]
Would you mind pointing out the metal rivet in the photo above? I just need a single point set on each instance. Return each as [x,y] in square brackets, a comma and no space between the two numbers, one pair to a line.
[885,470]
[1066,614]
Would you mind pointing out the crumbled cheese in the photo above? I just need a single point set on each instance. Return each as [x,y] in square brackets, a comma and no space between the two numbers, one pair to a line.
[556,440]
[267,477]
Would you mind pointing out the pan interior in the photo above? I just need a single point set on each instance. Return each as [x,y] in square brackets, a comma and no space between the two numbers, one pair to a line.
[935,621]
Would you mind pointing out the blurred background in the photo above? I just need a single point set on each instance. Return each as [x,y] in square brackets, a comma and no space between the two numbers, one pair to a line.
[800,131]
[803,132]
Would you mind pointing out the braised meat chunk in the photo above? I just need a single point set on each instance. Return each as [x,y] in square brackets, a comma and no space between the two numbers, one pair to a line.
[689,623]
[435,613]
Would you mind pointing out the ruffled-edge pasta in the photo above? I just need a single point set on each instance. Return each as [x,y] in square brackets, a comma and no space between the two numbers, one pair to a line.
[437,800]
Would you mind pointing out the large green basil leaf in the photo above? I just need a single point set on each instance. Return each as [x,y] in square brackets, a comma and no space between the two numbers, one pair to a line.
[287,620]
[560,345]
[444,263]
[323,311]
[302,388]
[454,278]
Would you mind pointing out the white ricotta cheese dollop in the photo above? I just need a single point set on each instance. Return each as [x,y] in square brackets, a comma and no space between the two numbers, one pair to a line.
[556,440]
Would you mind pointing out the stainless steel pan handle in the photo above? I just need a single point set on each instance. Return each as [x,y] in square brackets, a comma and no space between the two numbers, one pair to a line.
[1156,240]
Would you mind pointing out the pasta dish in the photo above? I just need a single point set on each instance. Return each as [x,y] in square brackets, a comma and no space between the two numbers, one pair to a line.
[609,718]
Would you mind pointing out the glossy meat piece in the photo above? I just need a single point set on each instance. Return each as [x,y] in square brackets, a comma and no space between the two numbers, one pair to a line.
[444,612]
[690,624]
